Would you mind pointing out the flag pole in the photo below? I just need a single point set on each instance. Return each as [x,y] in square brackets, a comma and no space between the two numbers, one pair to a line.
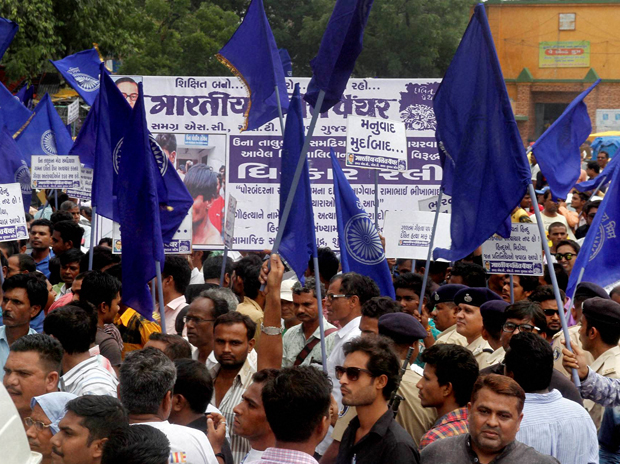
[297,176]
[512,289]
[160,291]
[223,272]
[554,280]
[377,200]
[430,253]
[153,290]
[279,112]
[93,227]
[319,300]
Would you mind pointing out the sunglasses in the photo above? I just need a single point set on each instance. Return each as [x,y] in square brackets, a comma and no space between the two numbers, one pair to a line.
[525,328]
[566,256]
[353,373]
[551,312]
[331,297]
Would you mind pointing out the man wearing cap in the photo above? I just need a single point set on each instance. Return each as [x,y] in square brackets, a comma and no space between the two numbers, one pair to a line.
[286,303]
[599,335]
[493,319]
[469,320]
[585,291]
[406,331]
[301,345]
[42,424]
[444,314]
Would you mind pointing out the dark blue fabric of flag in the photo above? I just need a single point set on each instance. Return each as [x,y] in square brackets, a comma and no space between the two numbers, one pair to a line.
[298,243]
[8,29]
[86,141]
[477,132]
[25,95]
[45,134]
[601,247]
[557,150]
[138,207]
[14,113]
[13,165]
[252,55]
[340,47]
[81,71]
[287,64]
[604,176]
[361,250]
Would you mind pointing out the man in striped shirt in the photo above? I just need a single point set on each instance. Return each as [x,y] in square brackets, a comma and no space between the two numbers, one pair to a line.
[74,326]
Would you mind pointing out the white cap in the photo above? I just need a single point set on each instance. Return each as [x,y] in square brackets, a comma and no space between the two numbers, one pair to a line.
[286,289]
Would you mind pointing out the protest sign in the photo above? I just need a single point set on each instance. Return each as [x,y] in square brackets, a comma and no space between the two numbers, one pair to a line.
[430,204]
[86,185]
[229,226]
[376,144]
[181,243]
[73,111]
[519,254]
[12,220]
[55,171]
[408,233]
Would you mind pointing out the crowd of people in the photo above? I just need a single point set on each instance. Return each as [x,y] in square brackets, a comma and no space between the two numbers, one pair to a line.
[461,371]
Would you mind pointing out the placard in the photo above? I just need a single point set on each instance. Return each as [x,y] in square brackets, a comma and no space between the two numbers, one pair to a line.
[181,243]
[376,144]
[55,171]
[521,254]
[86,185]
[12,219]
[408,233]
[229,225]
[430,204]
[73,111]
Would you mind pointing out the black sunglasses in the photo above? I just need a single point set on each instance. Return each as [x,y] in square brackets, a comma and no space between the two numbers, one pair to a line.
[550,312]
[353,373]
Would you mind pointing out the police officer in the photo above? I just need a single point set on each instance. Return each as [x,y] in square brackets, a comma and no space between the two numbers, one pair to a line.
[492,322]
[444,314]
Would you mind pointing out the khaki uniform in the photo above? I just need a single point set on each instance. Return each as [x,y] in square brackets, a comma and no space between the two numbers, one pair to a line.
[607,365]
[250,308]
[481,350]
[451,336]
[494,358]
[345,416]
[557,346]
[414,418]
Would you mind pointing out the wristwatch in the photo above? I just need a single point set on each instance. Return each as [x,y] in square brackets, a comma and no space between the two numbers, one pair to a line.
[271,330]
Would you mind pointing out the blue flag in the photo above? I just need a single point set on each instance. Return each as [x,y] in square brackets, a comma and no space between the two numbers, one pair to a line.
[298,243]
[252,55]
[604,177]
[138,207]
[485,168]
[15,114]
[601,248]
[557,150]
[287,64]
[8,29]
[81,71]
[45,134]
[13,165]
[86,141]
[340,47]
[25,95]
[361,250]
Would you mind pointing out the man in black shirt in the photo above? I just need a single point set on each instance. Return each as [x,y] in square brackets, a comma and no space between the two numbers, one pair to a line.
[367,380]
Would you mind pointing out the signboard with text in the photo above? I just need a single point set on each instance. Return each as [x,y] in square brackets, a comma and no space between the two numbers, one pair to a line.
[376,144]
[575,54]
[12,219]
[55,171]
[408,233]
[519,254]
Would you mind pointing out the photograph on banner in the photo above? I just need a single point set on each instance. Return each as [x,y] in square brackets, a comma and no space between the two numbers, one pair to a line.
[374,143]
[229,226]
[519,254]
[13,224]
[430,204]
[128,85]
[55,171]
[86,185]
[408,233]
[181,243]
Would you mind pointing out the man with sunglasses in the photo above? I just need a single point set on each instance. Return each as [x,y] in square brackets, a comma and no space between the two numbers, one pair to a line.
[566,254]
[367,378]
[545,297]
[526,317]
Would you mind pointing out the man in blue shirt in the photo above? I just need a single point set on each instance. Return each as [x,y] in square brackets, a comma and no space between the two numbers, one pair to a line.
[41,232]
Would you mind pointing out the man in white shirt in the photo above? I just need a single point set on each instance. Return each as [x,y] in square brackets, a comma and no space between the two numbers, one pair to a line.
[147,383]
[175,279]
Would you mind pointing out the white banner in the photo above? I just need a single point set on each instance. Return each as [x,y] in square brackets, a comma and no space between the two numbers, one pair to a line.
[55,171]
[376,144]
[408,233]
[520,254]
[12,219]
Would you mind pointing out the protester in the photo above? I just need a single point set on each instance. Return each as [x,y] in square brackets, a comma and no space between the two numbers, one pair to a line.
[551,424]
[41,240]
[289,318]
[175,279]
[84,429]
[493,320]
[468,274]
[173,346]
[212,270]
[329,265]
[66,235]
[199,321]
[138,444]
[550,214]
[557,232]
[367,379]
[42,424]
[444,314]
[495,414]
[523,286]
[232,374]
[449,376]
[602,158]
[373,310]
[589,211]
[250,418]
[146,387]
[566,254]
[69,270]
[75,328]
[301,344]
[24,297]
[32,369]
[20,264]
[414,301]
[246,286]
[545,297]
